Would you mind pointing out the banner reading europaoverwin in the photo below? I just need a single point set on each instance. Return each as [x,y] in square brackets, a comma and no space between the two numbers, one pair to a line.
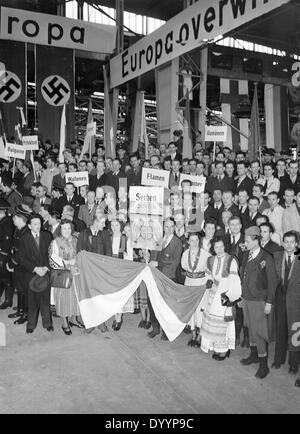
[199,23]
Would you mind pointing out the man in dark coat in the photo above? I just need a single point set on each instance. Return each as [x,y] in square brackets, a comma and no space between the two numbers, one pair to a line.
[134,175]
[266,232]
[33,256]
[259,281]
[20,220]
[6,233]
[167,261]
[113,178]
[287,304]
[71,198]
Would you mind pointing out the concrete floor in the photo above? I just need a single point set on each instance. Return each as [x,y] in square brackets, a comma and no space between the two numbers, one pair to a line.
[126,372]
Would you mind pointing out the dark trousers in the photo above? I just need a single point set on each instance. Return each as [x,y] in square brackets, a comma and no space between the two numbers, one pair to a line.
[21,285]
[239,320]
[39,302]
[7,288]
[282,337]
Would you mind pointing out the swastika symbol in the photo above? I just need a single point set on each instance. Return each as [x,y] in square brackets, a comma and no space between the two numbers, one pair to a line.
[55,90]
[10,87]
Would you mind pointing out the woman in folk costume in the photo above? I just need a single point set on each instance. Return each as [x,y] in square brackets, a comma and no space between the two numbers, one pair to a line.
[194,263]
[119,251]
[218,327]
[62,255]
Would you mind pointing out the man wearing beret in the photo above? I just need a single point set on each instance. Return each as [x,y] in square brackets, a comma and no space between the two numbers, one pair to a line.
[6,233]
[259,281]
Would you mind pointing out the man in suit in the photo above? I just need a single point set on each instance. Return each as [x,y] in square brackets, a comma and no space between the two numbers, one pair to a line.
[254,214]
[59,181]
[243,182]
[41,198]
[220,181]
[210,213]
[259,280]
[243,198]
[33,256]
[134,175]
[287,309]
[266,232]
[258,191]
[167,261]
[175,174]
[88,211]
[6,235]
[292,181]
[228,203]
[218,205]
[27,179]
[173,152]
[236,248]
[11,195]
[100,179]
[95,238]
[113,178]
[72,199]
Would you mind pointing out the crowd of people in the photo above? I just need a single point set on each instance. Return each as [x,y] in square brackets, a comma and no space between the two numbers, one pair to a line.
[239,239]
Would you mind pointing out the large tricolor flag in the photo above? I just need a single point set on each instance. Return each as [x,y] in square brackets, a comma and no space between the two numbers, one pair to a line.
[105,284]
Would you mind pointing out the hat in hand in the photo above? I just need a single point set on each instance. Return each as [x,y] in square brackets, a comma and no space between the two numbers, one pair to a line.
[39,284]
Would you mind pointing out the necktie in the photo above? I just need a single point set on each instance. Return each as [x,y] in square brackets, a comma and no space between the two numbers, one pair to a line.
[250,256]
[233,239]
[37,240]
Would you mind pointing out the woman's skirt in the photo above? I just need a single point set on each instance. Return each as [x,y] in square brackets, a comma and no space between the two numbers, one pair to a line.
[140,297]
[65,301]
[216,334]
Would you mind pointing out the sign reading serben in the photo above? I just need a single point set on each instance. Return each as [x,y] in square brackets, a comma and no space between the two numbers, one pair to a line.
[78,178]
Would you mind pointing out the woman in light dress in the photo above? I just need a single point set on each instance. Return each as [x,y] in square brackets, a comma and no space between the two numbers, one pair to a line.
[194,263]
[217,329]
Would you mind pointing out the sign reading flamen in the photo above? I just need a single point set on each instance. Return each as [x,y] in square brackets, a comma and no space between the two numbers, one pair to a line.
[204,20]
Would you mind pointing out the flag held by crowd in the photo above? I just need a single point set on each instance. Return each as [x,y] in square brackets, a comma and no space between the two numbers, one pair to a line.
[102,292]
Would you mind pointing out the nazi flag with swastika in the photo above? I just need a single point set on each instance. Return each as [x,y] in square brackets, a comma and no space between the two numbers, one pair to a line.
[55,88]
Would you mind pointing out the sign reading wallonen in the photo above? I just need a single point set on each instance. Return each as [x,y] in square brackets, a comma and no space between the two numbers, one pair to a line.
[215,134]
[56,31]
[204,20]
[78,178]
[15,151]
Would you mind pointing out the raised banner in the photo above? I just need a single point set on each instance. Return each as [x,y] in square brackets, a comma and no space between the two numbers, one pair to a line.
[56,31]
[216,133]
[55,83]
[155,177]
[13,61]
[31,143]
[78,178]
[91,129]
[195,25]
[15,151]
[198,182]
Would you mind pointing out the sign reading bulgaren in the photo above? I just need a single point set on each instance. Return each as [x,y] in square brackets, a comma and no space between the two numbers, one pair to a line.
[78,178]
[56,31]
[203,21]
[15,151]
[31,143]
[216,134]
[155,178]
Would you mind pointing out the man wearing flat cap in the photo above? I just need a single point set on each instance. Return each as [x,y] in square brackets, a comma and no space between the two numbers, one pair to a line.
[6,233]
[259,281]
